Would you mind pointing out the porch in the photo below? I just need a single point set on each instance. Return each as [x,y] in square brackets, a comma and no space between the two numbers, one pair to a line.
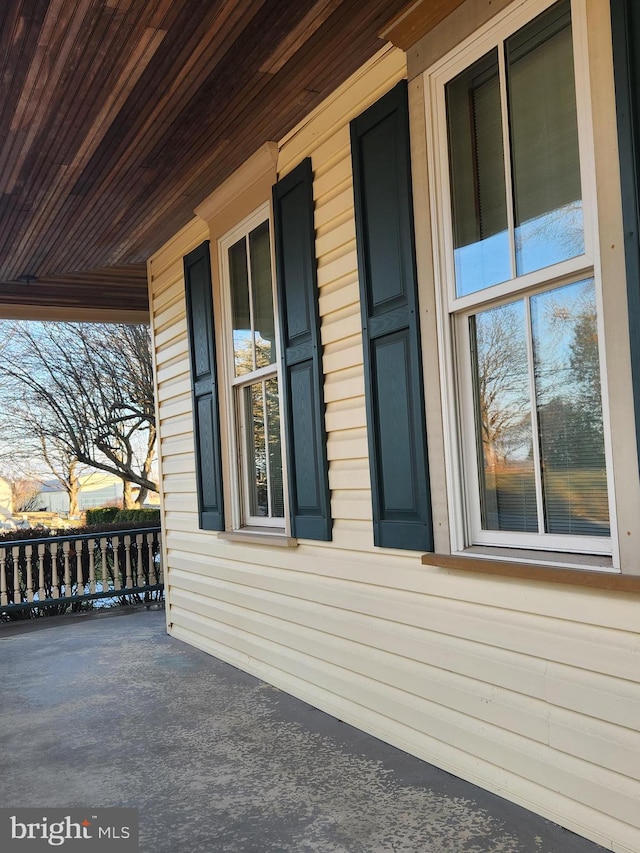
[108,710]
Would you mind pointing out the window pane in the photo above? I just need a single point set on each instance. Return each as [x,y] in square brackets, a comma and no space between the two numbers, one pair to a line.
[241,316]
[544,142]
[503,419]
[263,452]
[275,448]
[567,377]
[476,160]
[263,322]
[256,451]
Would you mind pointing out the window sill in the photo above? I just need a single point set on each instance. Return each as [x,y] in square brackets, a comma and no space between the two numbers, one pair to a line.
[259,536]
[575,569]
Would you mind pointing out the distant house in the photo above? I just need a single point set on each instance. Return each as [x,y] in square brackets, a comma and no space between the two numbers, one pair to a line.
[6,499]
[96,489]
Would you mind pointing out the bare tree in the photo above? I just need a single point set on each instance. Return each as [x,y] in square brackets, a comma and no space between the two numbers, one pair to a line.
[502,383]
[64,467]
[25,495]
[85,392]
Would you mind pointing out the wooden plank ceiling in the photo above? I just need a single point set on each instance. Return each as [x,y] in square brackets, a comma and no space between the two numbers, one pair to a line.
[118,117]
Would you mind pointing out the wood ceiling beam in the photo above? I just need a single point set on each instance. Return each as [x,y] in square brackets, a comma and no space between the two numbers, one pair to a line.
[416,20]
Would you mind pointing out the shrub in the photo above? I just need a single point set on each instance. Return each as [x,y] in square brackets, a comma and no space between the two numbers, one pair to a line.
[113,515]
[102,515]
[150,517]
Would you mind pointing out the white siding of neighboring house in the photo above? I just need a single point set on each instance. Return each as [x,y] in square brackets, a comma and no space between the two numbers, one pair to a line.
[6,499]
[96,490]
[529,689]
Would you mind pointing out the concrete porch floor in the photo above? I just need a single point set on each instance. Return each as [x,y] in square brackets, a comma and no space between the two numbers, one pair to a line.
[113,712]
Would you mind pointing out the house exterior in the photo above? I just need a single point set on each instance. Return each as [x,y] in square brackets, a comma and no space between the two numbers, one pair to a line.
[96,489]
[394,289]
[6,499]
[395,358]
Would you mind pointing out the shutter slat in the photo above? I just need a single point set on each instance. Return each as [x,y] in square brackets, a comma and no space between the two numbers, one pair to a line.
[305,436]
[202,360]
[391,336]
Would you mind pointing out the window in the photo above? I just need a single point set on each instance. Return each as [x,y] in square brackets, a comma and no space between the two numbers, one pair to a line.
[252,372]
[513,207]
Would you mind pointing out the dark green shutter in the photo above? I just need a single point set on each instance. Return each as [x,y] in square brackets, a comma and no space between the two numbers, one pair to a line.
[625,23]
[301,354]
[390,324]
[202,358]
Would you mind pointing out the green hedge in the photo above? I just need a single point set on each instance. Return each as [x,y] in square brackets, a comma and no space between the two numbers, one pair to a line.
[113,515]
[103,515]
[150,516]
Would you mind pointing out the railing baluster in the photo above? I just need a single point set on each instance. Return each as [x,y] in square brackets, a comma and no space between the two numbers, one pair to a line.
[79,581]
[117,575]
[4,598]
[17,592]
[92,569]
[66,546]
[55,584]
[153,578]
[28,551]
[139,572]
[72,576]
[127,559]
[105,573]
[41,592]
[160,566]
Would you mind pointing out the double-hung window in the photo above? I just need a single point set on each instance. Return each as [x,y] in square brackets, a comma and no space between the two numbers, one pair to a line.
[252,373]
[519,285]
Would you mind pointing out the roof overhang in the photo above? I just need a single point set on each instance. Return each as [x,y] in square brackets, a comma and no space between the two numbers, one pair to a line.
[119,117]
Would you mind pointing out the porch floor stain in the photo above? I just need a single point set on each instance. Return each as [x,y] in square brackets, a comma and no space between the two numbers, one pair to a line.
[113,712]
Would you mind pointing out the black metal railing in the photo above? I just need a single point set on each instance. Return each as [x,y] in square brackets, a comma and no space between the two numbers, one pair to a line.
[58,573]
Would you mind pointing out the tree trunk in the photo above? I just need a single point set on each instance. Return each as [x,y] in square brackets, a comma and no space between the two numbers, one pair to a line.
[73,489]
[146,468]
[127,495]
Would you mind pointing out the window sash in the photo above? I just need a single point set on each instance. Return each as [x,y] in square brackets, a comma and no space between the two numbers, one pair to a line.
[263,452]
[531,479]
[458,62]
[459,417]
[238,431]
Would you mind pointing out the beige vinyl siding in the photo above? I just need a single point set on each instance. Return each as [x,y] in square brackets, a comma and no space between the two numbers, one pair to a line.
[528,689]
[173,385]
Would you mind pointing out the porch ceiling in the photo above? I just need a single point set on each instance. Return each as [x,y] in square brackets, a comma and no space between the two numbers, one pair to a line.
[118,117]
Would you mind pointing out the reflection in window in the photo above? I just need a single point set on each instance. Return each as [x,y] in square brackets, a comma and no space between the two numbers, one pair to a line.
[262,293]
[544,142]
[567,380]
[263,449]
[541,157]
[503,413]
[252,301]
[554,455]
[240,312]
[481,240]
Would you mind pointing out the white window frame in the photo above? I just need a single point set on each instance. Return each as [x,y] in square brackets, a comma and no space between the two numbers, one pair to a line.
[461,464]
[241,518]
